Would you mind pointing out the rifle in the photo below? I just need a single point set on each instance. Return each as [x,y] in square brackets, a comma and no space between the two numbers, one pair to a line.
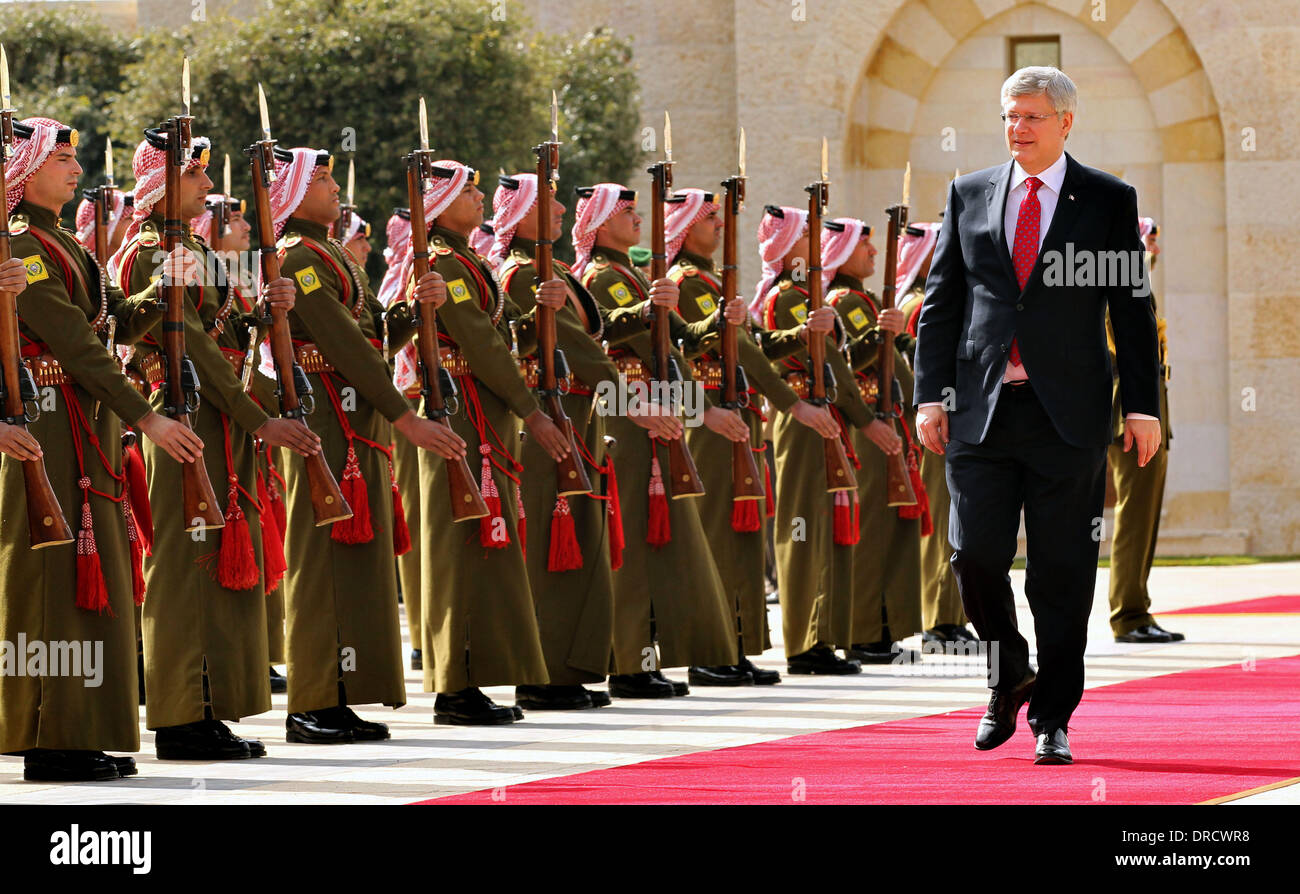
[683,479]
[101,199]
[437,385]
[291,384]
[552,369]
[45,522]
[745,481]
[839,474]
[899,490]
[339,229]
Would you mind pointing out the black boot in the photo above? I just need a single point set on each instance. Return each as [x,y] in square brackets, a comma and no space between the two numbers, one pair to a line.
[761,677]
[639,686]
[204,740]
[316,728]
[679,688]
[46,765]
[417,660]
[362,730]
[719,675]
[470,707]
[599,698]
[553,698]
[821,660]
[279,684]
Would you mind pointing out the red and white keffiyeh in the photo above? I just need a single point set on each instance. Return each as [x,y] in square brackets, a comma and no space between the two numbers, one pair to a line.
[29,155]
[86,219]
[591,214]
[150,167]
[398,233]
[777,234]
[509,207]
[481,238]
[912,254]
[838,244]
[679,217]
[1145,226]
[290,186]
[355,225]
[201,226]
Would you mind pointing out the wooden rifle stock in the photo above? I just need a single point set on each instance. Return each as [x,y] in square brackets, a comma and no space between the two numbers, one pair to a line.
[839,473]
[683,478]
[570,472]
[198,499]
[46,525]
[746,483]
[466,500]
[327,501]
[898,491]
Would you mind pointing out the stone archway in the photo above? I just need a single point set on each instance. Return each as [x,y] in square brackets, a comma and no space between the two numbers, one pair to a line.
[928,95]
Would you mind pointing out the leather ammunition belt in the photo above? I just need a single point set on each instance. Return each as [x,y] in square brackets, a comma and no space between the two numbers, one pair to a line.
[48,372]
[632,367]
[801,383]
[313,362]
[236,360]
[868,387]
[529,367]
[708,373]
[152,366]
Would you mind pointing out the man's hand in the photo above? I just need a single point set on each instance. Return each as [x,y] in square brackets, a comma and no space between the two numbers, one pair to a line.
[819,419]
[290,433]
[428,434]
[658,421]
[13,276]
[736,311]
[180,442]
[279,293]
[663,293]
[547,434]
[932,428]
[891,320]
[1146,434]
[553,293]
[820,322]
[726,423]
[17,441]
[180,267]
[431,289]
[882,434]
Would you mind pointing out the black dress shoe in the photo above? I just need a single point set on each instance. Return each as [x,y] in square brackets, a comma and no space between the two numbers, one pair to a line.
[999,722]
[1053,748]
[719,675]
[948,633]
[204,740]
[255,748]
[1150,633]
[821,660]
[679,688]
[553,698]
[46,765]
[639,686]
[125,765]
[760,676]
[470,707]
[279,684]
[362,730]
[599,698]
[883,652]
[310,728]
[139,659]
[417,660]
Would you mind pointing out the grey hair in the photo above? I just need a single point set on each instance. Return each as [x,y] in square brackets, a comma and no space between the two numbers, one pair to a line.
[1035,79]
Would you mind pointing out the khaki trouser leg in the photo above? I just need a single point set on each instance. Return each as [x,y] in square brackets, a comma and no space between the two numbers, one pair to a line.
[1140,493]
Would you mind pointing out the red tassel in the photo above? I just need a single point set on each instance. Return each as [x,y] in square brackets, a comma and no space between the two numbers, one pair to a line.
[273,563]
[921,508]
[845,527]
[769,503]
[566,553]
[401,532]
[133,472]
[356,529]
[616,539]
[276,500]
[236,562]
[494,523]
[136,543]
[92,592]
[521,523]
[744,516]
[659,531]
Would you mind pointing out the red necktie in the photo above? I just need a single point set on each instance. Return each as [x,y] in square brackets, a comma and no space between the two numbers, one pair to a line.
[1025,249]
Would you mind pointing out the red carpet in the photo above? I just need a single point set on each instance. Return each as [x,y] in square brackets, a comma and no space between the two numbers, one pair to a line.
[1265,605]
[1175,739]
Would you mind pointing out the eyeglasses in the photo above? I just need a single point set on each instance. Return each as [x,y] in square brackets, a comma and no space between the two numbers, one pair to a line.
[1013,118]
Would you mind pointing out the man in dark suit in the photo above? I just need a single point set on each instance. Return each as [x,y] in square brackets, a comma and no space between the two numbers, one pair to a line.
[1013,384]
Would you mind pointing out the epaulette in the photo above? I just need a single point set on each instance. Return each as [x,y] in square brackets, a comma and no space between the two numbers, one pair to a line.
[599,261]
[520,257]
[289,241]
[18,224]
[148,235]
[785,285]
[836,294]
[439,246]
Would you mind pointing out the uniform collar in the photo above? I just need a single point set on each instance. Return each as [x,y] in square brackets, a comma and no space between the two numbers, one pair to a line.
[527,246]
[308,228]
[612,255]
[1052,178]
[37,215]
[458,241]
[698,260]
[844,281]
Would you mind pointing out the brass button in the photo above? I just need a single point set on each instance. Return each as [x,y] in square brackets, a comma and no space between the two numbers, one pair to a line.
[329,500]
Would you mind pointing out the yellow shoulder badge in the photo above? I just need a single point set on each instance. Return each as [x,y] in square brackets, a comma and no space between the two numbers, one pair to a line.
[706,303]
[308,279]
[620,293]
[35,266]
[18,225]
[458,290]
[858,318]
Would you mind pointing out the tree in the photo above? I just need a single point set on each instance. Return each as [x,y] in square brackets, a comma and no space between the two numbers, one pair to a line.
[348,77]
[62,64]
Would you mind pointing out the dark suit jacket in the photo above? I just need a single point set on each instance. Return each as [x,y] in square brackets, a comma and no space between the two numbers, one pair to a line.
[973,307]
